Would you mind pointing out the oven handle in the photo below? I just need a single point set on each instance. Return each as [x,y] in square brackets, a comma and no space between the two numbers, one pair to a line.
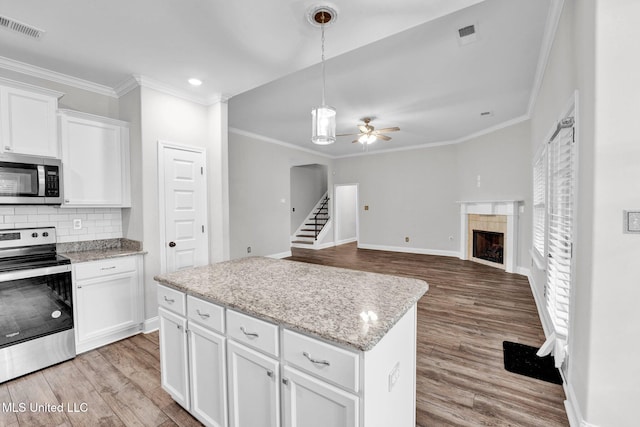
[36,272]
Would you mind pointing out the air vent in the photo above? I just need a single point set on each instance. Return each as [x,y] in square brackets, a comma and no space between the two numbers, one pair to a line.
[467,34]
[21,28]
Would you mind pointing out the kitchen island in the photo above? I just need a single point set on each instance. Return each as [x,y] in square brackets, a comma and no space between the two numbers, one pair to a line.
[337,346]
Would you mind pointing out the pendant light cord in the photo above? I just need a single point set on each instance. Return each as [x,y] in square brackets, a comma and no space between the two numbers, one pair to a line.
[323,72]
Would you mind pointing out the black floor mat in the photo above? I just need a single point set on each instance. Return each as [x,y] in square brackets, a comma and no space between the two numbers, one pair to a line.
[521,359]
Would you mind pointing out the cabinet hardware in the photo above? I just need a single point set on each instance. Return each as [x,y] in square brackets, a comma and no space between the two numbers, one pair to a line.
[79,286]
[316,361]
[270,373]
[66,200]
[7,148]
[108,268]
[249,334]
[203,315]
[179,327]
[172,244]
[285,381]
[170,301]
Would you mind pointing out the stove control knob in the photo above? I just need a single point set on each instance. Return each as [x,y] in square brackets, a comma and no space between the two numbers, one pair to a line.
[45,234]
[34,235]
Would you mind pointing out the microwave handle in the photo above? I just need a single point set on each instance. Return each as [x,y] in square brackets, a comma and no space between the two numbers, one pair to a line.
[41,180]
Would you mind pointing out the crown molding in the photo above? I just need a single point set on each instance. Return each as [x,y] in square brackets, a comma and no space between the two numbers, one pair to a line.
[43,73]
[551,27]
[138,80]
[277,142]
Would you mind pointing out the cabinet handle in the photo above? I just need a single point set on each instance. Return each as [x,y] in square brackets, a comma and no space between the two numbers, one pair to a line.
[108,268]
[170,301]
[203,315]
[66,200]
[179,327]
[249,334]
[270,373]
[316,361]
[285,381]
[79,286]
[7,148]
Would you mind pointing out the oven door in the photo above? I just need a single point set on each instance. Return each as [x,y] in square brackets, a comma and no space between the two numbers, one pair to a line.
[36,319]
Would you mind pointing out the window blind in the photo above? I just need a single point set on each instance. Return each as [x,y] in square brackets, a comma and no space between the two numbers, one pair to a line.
[539,203]
[560,235]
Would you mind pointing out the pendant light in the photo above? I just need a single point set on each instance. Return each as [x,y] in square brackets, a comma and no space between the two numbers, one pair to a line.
[323,123]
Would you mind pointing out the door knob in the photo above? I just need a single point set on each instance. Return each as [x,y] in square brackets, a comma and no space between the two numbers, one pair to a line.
[172,244]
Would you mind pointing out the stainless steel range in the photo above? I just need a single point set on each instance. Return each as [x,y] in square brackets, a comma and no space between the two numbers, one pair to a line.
[36,310]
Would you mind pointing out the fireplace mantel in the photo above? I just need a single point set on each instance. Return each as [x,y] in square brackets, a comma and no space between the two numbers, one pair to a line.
[508,208]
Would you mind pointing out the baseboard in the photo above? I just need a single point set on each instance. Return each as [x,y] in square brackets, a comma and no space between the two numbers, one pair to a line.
[151,325]
[523,271]
[573,408]
[345,241]
[409,250]
[107,338]
[280,255]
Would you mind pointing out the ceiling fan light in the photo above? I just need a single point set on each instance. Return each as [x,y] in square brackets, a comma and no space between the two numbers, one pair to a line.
[323,124]
[362,139]
[371,139]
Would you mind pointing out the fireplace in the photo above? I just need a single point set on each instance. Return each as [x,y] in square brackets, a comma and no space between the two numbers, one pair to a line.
[489,246]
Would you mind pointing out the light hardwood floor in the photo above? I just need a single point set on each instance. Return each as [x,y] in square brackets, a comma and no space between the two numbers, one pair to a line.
[463,319]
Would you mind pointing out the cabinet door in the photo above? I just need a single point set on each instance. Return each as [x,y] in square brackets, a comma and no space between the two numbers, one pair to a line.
[174,364]
[310,402]
[29,123]
[95,159]
[208,376]
[107,304]
[254,398]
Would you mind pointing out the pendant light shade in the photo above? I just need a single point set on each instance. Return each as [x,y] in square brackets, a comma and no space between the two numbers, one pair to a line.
[323,118]
[323,122]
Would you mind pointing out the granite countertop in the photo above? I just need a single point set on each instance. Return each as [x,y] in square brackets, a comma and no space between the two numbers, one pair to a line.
[349,307]
[96,250]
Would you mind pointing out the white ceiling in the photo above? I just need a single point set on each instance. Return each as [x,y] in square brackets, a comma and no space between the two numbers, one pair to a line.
[399,61]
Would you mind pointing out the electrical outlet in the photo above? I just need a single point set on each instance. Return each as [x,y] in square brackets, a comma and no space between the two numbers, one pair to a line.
[248,249]
[77,224]
[393,376]
[406,239]
[366,207]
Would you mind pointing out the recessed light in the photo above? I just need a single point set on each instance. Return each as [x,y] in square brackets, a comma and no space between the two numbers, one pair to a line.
[195,82]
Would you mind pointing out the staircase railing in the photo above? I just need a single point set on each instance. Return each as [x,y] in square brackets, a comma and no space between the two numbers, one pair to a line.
[317,230]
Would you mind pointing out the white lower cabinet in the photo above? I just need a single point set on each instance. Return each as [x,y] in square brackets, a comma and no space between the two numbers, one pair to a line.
[174,364]
[254,397]
[207,374]
[310,402]
[108,301]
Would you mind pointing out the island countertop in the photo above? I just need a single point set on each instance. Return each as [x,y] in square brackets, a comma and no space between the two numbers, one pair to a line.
[349,307]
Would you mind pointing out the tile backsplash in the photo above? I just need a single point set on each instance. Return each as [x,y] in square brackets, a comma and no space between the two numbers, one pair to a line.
[97,223]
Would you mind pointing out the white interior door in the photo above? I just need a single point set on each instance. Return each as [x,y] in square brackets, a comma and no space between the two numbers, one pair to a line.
[346,213]
[183,207]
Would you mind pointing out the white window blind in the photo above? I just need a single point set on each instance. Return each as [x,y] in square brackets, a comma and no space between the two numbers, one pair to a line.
[540,203]
[560,236]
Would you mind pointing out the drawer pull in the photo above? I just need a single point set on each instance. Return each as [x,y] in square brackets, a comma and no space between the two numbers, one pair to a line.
[203,315]
[108,268]
[316,361]
[285,381]
[270,373]
[169,300]
[249,334]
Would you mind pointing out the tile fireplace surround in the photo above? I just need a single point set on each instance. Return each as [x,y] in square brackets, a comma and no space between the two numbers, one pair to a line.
[500,216]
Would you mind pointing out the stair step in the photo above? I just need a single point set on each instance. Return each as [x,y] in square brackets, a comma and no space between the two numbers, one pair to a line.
[304,242]
[312,236]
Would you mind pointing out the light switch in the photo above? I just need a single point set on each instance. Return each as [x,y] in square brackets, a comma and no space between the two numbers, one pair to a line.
[631,221]
[366,207]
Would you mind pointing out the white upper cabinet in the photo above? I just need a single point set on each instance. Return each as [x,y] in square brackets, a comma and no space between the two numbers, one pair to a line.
[95,159]
[28,119]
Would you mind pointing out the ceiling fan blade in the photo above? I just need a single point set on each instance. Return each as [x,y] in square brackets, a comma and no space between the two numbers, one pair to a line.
[363,128]
[347,134]
[354,141]
[383,137]
[393,129]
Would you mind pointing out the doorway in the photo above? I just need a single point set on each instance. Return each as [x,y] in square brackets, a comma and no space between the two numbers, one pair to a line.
[346,228]
[182,193]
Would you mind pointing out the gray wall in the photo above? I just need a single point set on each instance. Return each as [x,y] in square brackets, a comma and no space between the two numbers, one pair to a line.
[308,185]
[259,194]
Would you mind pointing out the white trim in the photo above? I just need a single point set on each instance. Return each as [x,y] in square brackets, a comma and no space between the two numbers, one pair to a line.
[88,116]
[574,414]
[551,27]
[277,142]
[409,250]
[32,88]
[162,218]
[151,325]
[547,326]
[523,271]
[279,255]
[147,82]
[53,76]
[345,241]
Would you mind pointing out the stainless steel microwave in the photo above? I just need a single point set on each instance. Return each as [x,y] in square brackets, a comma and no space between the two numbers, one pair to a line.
[28,180]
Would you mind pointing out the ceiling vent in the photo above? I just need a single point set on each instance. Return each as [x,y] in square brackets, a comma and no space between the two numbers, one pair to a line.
[21,28]
[467,34]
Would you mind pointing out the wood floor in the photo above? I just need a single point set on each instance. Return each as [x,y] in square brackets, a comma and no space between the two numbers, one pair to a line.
[463,319]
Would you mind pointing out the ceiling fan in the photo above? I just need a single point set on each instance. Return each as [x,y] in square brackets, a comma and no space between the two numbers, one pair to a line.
[368,134]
